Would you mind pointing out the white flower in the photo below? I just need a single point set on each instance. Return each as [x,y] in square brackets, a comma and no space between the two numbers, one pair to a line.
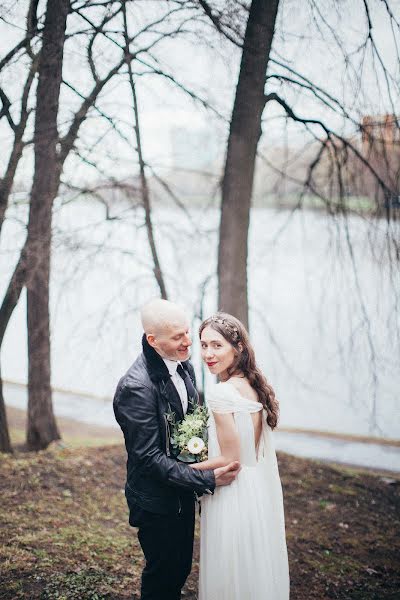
[195,445]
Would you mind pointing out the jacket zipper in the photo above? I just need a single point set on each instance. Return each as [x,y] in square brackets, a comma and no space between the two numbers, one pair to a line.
[167,450]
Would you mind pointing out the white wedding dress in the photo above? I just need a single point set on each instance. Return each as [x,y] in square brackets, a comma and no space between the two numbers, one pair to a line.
[243,553]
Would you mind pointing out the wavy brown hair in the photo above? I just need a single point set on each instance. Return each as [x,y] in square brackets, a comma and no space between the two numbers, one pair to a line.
[234,332]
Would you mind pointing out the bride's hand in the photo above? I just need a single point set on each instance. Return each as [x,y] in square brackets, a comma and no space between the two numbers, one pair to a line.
[225,475]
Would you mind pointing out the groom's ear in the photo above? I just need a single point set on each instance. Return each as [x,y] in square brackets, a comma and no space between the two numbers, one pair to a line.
[151,339]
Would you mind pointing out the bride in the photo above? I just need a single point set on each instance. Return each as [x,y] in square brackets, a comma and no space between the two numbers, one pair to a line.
[243,552]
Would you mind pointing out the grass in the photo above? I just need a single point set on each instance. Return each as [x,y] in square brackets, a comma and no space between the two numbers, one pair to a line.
[64,531]
[75,434]
[65,526]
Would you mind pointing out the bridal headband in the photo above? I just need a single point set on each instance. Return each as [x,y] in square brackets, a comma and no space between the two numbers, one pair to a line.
[232,331]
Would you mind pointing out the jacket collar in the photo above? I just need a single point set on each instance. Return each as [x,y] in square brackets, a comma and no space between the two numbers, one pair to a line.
[157,369]
[159,374]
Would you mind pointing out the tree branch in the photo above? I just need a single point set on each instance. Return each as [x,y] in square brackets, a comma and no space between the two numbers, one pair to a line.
[329,133]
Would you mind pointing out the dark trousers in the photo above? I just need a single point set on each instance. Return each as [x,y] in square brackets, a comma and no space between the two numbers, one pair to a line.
[167,544]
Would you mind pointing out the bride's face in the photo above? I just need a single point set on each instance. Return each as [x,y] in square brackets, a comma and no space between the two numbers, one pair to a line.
[216,351]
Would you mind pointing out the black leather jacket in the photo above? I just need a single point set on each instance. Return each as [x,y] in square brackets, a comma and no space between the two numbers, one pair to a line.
[156,481]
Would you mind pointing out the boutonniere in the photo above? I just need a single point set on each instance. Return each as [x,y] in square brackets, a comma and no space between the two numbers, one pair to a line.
[170,415]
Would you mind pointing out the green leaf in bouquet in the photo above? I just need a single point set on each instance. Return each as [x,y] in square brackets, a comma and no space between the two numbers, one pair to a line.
[186,457]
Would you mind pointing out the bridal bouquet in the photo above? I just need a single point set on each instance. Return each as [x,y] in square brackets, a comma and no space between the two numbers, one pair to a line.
[189,438]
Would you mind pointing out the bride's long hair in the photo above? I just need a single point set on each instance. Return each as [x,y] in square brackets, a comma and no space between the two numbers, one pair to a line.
[244,362]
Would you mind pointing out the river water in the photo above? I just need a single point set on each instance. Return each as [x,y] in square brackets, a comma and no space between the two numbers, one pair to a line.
[97,411]
[324,316]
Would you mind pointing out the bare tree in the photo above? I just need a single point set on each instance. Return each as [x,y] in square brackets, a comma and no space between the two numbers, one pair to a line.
[143,179]
[338,159]
[237,185]
[7,180]
[33,267]
[41,425]
[269,87]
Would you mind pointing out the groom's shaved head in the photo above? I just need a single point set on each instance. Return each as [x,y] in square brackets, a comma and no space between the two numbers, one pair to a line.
[158,316]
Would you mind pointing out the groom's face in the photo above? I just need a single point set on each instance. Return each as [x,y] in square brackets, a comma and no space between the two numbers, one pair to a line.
[173,341]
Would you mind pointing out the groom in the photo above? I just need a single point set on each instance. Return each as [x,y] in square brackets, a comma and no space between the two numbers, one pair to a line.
[160,490]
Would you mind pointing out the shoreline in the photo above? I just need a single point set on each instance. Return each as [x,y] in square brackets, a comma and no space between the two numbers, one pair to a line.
[17,417]
[347,437]
[79,434]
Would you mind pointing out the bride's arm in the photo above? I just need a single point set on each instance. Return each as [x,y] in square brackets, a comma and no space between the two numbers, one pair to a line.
[211,463]
[228,440]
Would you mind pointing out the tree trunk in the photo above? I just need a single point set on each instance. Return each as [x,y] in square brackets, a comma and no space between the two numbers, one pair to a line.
[41,424]
[245,131]
[6,184]
[5,443]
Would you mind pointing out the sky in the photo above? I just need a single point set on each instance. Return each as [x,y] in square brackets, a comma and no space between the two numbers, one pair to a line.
[308,38]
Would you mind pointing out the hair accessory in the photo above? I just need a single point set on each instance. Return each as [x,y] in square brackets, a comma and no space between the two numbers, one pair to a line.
[231,330]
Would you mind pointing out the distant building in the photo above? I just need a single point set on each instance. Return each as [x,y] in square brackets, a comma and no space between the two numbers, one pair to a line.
[380,129]
[380,146]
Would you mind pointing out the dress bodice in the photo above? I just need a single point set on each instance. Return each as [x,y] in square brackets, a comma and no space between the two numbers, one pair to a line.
[226,398]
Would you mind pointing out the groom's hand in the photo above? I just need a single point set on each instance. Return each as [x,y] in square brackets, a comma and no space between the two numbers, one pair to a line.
[225,475]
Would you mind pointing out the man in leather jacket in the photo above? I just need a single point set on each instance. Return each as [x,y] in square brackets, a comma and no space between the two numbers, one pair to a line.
[160,491]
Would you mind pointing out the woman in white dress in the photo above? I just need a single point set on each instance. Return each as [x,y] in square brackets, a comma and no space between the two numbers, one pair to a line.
[243,553]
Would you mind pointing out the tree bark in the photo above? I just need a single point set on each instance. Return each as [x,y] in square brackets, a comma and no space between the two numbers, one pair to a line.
[245,131]
[41,424]
[5,442]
